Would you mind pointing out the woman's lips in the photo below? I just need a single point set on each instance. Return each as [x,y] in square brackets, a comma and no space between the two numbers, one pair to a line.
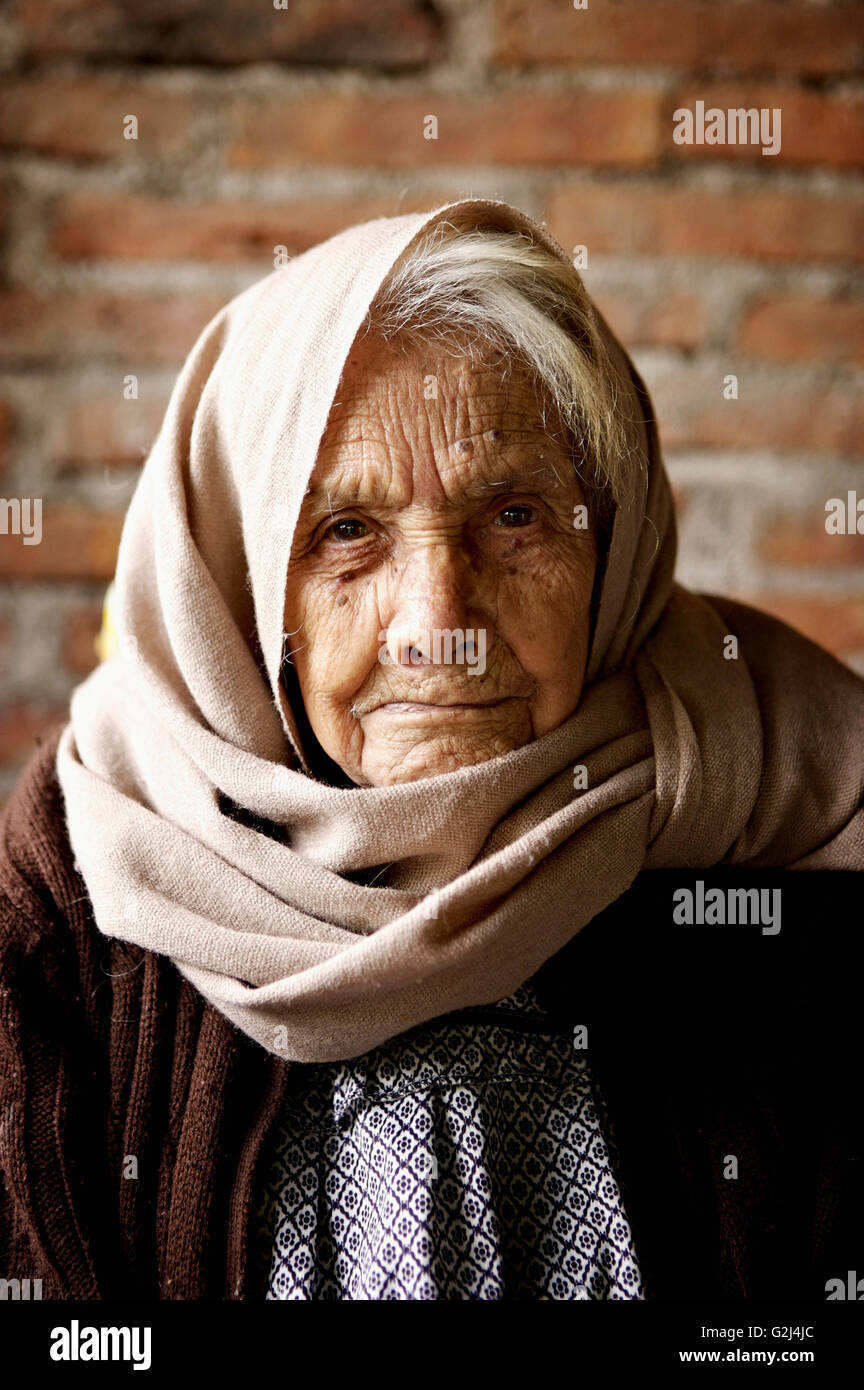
[429,708]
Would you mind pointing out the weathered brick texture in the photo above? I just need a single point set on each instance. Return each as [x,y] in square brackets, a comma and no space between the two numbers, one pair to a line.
[389,34]
[768,36]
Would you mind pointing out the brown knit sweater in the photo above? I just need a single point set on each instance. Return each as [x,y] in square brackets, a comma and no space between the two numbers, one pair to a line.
[107,1054]
[134,1117]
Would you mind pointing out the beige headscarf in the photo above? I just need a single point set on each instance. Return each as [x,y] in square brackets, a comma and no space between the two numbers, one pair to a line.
[692,758]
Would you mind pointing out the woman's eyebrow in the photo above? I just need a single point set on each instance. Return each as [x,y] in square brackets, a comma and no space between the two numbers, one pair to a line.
[544,476]
[320,499]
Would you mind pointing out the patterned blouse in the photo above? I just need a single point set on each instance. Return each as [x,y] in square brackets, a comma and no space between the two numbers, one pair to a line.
[468,1158]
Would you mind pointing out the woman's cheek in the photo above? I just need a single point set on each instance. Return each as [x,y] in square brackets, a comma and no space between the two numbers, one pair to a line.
[544,609]
[548,584]
[341,638]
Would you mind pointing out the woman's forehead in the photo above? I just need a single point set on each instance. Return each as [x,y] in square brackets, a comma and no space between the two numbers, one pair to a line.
[457,380]
[469,469]
[461,410]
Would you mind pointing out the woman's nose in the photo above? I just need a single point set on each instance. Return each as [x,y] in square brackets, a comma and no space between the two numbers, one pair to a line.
[433,604]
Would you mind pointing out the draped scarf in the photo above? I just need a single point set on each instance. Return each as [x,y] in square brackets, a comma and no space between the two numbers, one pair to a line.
[691,756]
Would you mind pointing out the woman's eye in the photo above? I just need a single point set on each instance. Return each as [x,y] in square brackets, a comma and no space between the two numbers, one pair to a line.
[341,530]
[516,514]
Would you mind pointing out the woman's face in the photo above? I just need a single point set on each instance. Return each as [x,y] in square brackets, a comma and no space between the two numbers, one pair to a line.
[438,590]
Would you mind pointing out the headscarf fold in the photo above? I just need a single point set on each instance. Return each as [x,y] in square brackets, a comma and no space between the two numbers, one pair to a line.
[693,758]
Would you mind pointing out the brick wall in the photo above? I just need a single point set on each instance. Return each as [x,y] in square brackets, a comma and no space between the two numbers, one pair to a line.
[260,127]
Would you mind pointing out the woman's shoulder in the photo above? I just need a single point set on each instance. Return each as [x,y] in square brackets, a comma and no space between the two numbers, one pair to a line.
[44,903]
[771,644]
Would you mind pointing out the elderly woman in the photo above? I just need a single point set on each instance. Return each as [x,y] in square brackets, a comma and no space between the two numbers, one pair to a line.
[404,700]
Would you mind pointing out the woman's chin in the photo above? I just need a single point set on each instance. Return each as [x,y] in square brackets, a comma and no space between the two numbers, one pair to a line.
[388,761]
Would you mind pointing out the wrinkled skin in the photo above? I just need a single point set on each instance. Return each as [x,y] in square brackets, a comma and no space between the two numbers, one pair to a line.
[443,514]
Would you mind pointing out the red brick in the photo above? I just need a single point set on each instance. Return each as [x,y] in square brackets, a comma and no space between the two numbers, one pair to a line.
[535,128]
[784,415]
[651,318]
[756,36]
[81,629]
[89,325]
[22,725]
[815,127]
[389,34]
[836,623]
[658,221]
[800,540]
[158,229]
[102,429]
[76,544]
[82,117]
[799,328]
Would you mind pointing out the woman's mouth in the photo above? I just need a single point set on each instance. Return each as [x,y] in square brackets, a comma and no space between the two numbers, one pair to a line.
[430,708]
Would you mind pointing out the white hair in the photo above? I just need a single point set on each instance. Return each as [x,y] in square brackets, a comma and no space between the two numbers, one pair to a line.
[485,289]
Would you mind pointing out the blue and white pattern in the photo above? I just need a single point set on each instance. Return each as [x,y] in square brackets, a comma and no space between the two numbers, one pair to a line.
[465,1159]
